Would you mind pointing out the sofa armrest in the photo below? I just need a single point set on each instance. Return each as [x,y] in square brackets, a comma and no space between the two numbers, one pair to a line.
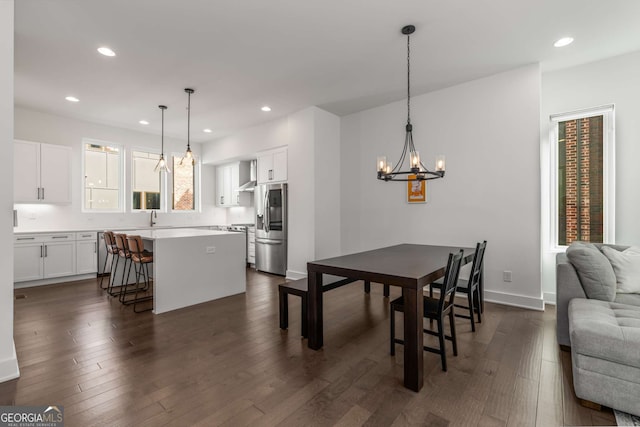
[568,286]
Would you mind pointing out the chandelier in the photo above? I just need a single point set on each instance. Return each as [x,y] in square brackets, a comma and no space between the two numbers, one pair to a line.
[416,170]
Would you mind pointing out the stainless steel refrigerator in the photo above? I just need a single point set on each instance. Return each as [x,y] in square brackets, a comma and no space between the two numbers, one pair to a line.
[271,228]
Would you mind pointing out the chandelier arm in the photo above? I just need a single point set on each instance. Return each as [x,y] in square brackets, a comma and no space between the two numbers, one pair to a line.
[408,80]
[403,156]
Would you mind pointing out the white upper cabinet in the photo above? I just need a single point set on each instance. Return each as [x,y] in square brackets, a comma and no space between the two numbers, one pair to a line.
[228,178]
[42,173]
[272,166]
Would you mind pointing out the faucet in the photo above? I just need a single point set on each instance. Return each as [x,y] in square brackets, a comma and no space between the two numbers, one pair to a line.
[154,214]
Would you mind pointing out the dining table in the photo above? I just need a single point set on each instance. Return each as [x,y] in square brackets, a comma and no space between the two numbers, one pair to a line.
[409,266]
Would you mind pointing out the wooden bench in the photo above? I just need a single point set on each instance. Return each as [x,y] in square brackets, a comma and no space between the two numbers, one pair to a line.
[300,288]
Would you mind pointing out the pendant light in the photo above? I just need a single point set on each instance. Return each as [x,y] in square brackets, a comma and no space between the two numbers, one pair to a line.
[162,165]
[188,155]
[416,171]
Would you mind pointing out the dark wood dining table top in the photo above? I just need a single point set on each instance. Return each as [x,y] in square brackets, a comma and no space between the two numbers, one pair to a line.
[405,265]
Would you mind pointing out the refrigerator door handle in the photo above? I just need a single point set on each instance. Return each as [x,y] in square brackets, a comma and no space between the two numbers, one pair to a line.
[266,211]
[269,242]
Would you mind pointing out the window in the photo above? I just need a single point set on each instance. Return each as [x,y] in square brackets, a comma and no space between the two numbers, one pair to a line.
[146,185]
[102,176]
[183,185]
[584,172]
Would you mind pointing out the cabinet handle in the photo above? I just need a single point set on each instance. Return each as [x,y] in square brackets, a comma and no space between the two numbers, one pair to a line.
[42,193]
[38,193]
[238,199]
[270,174]
[60,237]
[95,247]
[86,235]
[26,238]
[222,200]
[41,251]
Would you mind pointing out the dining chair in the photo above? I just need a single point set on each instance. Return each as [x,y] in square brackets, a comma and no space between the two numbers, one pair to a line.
[140,259]
[435,309]
[470,287]
[112,251]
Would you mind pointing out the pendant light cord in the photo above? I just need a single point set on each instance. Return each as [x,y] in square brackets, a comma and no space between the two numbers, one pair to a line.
[188,120]
[408,80]
[162,135]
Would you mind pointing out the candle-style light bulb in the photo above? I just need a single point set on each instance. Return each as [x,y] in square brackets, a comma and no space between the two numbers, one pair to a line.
[382,163]
[440,163]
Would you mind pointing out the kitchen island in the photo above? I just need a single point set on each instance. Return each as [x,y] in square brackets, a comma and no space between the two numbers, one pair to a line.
[191,266]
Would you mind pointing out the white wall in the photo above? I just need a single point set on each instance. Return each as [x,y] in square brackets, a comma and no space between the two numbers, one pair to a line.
[611,81]
[312,137]
[40,127]
[8,361]
[489,131]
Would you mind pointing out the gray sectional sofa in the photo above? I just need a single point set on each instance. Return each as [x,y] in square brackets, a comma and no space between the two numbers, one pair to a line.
[569,287]
[600,324]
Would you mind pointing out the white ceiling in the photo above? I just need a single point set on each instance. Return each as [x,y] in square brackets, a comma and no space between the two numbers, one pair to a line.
[341,55]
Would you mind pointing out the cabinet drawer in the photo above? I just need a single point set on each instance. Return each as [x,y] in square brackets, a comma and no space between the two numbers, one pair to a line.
[28,238]
[87,235]
[59,237]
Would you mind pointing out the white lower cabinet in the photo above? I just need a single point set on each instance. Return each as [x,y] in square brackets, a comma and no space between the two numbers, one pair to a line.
[86,253]
[59,259]
[48,256]
[27,262]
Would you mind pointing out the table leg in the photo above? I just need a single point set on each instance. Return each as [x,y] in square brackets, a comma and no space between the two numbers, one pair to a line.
[413,339]
[314,310]
[367,286]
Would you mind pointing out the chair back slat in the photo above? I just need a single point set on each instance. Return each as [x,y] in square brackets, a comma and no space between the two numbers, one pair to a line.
[476,268]
[450,279]
[109,242]
[121,244]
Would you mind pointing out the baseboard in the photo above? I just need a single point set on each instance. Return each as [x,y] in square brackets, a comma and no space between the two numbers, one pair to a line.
[53,281]
[295,275]
[514,300]
[549,298]
[9,368]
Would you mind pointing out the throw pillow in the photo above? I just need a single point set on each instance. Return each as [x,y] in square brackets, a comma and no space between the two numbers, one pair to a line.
[626,266]
[594,270]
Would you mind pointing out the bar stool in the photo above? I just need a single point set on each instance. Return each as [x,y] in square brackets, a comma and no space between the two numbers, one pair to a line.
[140,258]
[125,256]
[112,250]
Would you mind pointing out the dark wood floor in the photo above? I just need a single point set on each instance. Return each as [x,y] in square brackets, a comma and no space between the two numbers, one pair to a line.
[227,363]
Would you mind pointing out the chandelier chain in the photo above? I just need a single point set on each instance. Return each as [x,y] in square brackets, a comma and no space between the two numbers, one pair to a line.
[408,80]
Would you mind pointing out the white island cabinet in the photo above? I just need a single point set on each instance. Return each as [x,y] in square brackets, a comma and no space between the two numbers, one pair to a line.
[192,266]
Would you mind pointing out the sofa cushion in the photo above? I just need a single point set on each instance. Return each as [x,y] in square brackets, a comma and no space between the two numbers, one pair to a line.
[629,299]
[626,266]
[605,330]
[594,269]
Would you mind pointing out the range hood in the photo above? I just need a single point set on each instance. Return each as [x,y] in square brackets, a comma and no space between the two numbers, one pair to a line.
[251,185]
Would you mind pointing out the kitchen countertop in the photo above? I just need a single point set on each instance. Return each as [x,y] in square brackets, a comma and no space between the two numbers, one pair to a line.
[174,233]
[101,229]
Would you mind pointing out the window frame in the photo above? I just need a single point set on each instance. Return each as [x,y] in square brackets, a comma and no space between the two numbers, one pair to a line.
[121,176]
[163,183]
[196,187]
[608,173]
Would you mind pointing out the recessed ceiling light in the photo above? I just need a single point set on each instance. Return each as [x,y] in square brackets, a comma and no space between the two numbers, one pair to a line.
[266,108]
[563,42]
[106,51]
[207,130]
[72,99]
[143,122]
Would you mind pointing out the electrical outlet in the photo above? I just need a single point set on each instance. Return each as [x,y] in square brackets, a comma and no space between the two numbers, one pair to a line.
[506,276]
[211,249]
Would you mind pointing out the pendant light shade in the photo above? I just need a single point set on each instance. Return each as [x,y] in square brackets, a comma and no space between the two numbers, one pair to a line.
[162,165]
[415,170]
[188,155]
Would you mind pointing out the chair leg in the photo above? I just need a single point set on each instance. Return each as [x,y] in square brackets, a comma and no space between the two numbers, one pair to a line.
[443,353]
[367,286]
[392,332]
[303,317]
[452,324]
[470,299]
[112,278]
[144,268]
[477,298]
[385,290]
[284,309]
[104,269]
